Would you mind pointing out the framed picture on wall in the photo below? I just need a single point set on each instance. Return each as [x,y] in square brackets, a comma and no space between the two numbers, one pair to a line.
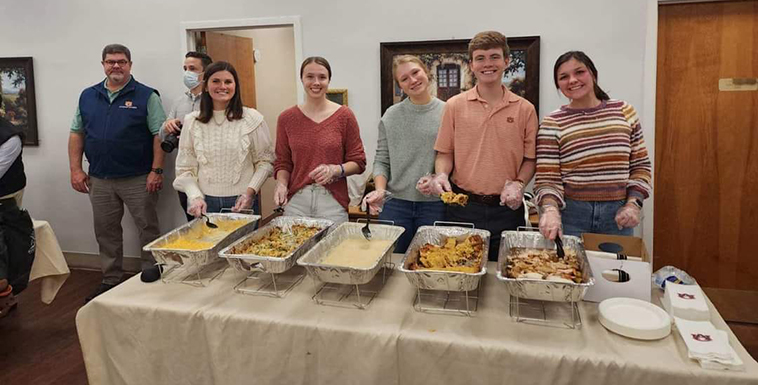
[448,62]
[337,95]
[19,104]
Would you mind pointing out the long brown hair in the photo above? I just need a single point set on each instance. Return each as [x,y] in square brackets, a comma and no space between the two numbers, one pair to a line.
[234,108]
[584,59]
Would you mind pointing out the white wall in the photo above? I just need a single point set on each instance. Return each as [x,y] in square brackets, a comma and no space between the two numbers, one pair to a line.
[65,39]
[275,87]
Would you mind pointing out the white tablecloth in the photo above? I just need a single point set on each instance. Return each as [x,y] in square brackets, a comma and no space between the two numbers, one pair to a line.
[159,333]
[49,265]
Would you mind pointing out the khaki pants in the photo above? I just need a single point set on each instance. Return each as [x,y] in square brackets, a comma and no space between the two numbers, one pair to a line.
[108,197]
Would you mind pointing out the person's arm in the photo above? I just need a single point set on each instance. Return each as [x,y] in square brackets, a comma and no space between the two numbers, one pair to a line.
[262,153]
[155,118]
[283,164]
[9,151]
[640,184]
[529,163]
[443,163]
[79,179]
[382,171]
[548,184]
[187,164]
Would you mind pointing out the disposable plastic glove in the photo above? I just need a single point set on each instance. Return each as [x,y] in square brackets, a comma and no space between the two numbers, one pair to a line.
[197,207]
[440,183]
[550,222]
[244,202]
[374,201]
[325,173]
[280,194]
[628,216]
[512,194]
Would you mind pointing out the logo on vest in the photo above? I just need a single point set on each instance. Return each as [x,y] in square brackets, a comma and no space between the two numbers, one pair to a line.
[128,104]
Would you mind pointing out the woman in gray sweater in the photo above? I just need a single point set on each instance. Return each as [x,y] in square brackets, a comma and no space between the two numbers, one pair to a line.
[405,153]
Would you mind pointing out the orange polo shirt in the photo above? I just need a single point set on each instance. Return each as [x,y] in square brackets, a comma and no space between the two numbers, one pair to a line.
[488,142]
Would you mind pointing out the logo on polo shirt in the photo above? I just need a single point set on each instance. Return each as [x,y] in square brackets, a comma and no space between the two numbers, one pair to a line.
[510,119]
[128,104]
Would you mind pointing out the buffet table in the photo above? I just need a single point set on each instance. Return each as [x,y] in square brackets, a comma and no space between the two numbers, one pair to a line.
[159,333]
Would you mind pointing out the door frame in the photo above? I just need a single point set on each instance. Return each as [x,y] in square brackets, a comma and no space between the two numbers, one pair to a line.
[649,70]
[188,27]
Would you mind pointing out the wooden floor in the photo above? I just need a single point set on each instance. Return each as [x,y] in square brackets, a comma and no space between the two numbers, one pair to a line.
[39,344]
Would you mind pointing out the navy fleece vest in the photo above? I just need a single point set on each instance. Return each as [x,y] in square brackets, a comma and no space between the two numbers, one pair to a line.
[14,179]
[117,140]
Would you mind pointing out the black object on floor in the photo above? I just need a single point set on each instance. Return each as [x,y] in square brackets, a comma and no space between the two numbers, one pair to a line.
[100,290]
[151,274]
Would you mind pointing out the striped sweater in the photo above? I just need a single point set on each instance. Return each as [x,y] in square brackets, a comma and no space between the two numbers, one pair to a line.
[595,154]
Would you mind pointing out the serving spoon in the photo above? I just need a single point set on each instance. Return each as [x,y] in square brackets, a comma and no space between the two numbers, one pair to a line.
[209,223]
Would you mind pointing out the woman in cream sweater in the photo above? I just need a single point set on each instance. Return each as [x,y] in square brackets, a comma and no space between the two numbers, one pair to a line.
[225,151]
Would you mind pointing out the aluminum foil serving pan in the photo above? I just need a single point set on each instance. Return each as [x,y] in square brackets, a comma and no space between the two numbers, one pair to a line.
[540,289]
[214,240]
[440,279]
[242,261]
[313,260]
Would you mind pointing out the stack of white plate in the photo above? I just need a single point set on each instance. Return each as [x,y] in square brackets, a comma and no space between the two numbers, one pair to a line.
[634,318]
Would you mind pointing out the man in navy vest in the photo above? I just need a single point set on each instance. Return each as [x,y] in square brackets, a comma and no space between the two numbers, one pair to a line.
[116,126]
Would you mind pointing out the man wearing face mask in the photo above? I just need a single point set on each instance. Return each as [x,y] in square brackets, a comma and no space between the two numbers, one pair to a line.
[194,66]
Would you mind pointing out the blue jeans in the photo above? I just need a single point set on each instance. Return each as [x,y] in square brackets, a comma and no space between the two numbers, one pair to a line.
[215,204]
[411,215]
[592,217]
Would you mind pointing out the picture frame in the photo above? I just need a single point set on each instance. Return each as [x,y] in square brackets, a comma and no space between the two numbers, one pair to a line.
[448,64]
[19,103]
[337,95]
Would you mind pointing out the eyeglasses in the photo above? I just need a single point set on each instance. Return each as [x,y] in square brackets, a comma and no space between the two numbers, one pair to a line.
[112,63]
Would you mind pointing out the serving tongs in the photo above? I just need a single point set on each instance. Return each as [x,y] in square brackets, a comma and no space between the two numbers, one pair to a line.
[559,247]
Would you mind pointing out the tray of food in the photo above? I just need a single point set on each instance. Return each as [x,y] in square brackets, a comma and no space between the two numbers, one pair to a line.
[346,257]
[276,246]
[530,267]
[446,258]
[197,244]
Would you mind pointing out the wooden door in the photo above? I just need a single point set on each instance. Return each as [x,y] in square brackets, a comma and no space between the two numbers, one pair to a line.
[239,52]
[706,143]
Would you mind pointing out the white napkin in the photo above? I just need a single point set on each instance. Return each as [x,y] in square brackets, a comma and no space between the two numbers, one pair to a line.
[708,345]
[686,301]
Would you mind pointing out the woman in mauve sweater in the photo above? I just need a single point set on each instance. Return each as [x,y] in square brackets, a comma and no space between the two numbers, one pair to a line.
[405,153]
[225,151]
[592,163]
[318,144]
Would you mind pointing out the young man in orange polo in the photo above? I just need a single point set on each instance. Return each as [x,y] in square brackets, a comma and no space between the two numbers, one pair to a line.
[486,144]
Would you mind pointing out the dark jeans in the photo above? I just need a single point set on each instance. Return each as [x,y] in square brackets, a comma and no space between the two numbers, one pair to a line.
[411,215]
[183,202]
[17,245]
[215,204]
[494,219]
[592,217]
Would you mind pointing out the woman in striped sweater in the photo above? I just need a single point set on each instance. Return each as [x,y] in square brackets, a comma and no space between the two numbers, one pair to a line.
[593,170]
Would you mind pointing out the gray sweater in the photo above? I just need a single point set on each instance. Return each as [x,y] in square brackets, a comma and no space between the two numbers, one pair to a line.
[405,149]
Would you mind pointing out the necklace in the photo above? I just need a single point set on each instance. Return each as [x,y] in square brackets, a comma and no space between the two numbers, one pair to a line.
[215,120]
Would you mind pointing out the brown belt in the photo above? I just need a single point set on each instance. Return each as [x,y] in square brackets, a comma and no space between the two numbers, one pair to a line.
[489,200]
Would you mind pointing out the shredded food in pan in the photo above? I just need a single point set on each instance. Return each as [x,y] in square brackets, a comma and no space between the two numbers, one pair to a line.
[201,237]
[279,242]
[543,264]
[451,198]
[465,256]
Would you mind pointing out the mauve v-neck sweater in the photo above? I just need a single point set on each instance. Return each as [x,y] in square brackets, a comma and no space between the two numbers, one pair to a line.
[302,145]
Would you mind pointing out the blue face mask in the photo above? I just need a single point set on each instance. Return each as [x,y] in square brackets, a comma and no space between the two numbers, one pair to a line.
[191,79]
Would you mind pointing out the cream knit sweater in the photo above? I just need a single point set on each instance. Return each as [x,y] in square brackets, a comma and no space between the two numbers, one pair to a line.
[223,159]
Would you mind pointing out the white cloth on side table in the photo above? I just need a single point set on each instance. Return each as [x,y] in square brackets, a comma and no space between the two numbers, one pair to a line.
[49,264]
